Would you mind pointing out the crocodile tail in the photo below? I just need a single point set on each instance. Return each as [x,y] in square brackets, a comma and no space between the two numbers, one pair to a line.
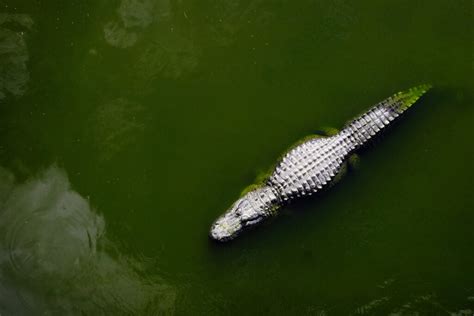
[364,127]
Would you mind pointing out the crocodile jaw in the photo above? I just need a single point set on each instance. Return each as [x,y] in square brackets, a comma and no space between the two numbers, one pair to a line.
[248,211]
[226,227]
[242,215]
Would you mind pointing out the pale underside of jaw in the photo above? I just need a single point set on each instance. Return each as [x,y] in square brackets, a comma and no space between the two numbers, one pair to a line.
[230,226]
[245,213]
[225,228]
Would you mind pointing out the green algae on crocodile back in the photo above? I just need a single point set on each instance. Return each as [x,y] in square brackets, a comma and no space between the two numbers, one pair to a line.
[310,166]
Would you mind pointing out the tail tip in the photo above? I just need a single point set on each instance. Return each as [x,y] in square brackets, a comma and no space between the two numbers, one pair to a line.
[422,88]
[410,96]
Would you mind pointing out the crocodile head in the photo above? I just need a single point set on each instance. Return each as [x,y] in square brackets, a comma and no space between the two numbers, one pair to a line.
[248,211]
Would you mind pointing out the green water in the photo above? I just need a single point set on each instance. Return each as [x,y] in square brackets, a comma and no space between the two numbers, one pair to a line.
[128,126]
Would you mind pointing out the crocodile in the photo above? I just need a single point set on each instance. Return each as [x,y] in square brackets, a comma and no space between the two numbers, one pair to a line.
[312,165]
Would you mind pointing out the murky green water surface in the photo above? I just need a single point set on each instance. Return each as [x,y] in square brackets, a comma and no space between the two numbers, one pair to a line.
[128,126]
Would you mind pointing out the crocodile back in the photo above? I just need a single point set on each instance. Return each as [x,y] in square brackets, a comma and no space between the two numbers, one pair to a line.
[312,165]
[309,167]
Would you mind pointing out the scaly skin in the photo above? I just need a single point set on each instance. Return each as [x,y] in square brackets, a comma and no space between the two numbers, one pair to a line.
[310,166]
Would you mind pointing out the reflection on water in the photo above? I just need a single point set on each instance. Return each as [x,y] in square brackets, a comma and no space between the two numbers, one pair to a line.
[171,57]
[114,126]
[53,249]
[136,13]
[118,36]
[133,17]
[164,49]
[387,304]
[368,308]
[14,56]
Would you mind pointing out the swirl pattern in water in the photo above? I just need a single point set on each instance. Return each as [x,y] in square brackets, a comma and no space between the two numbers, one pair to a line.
[54,256]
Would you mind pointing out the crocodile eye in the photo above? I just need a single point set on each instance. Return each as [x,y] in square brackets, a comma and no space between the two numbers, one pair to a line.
[251,219]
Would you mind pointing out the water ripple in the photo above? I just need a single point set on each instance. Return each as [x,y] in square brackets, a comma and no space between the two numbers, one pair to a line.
[54,257]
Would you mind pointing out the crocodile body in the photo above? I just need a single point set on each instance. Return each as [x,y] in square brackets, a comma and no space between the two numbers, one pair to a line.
[311,166]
